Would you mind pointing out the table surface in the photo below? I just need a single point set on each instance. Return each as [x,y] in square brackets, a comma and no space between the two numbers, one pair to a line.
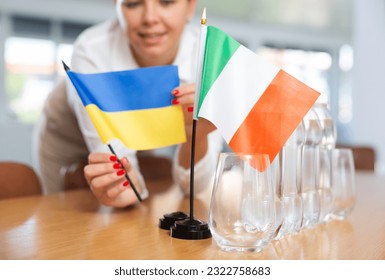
[73,225]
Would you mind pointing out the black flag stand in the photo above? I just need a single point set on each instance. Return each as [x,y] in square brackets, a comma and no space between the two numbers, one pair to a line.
[180,225]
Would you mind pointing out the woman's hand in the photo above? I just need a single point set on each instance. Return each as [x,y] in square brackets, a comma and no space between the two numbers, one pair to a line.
[184,95]
[105,176]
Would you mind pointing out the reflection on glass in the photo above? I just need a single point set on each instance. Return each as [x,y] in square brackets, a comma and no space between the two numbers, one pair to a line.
[290,182]
[276,177]
[242,210]
[310,170]
[344,185]
[328,142]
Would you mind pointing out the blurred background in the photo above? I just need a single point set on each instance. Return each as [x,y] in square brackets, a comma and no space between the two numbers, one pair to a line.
[335,46]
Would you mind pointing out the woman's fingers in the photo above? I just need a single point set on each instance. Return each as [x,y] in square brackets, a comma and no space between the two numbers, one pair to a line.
[184,95]
[105,180]
[109,186]
[97,169]
[106,176]
[100,164]
[126,164]
[101,158]
[183,90]
[114,192]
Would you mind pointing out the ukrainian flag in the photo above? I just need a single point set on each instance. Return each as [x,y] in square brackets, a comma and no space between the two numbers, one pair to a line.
[133,106]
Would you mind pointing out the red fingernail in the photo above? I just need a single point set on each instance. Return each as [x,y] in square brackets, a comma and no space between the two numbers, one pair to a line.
[113,158]
[175,101]
[120,172]
[117,166]
[175,92]
[125,184]
[190,109]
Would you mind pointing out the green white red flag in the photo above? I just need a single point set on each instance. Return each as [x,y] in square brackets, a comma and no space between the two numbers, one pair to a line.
[255,105]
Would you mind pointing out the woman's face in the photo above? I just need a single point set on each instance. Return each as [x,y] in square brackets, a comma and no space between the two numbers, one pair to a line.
[154,27]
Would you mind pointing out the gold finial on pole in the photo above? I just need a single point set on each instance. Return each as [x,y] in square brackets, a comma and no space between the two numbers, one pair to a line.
[203,18]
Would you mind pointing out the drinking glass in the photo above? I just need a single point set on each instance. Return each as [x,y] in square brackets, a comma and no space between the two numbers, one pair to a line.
[290,183]
[343,181]
[325,187]
[276,175]
[328,142]
[242,210]
[310,170]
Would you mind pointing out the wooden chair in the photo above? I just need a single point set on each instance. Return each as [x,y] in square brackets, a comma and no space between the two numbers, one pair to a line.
[18,179]
[364,156]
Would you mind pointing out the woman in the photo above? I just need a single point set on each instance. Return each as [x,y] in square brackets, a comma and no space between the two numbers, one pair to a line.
[147,33]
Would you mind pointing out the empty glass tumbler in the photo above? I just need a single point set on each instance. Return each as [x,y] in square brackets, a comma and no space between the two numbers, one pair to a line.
[310,170]
[242,210]
[328,142]
[291,200]
[343,181]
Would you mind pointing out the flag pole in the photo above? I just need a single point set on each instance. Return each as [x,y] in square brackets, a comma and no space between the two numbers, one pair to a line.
[191,228]
[193,136]
[192,168]
[126,175]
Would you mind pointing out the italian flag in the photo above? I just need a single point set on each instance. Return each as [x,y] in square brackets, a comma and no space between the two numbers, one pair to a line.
[255,105]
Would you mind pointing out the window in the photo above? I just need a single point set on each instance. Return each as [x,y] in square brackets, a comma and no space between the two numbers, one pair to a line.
[29,75]
[311,67]
[33,50]
[64,52]
[315,68]
[345,102]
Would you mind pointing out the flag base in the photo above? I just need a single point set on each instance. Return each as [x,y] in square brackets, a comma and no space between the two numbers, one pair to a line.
[168,220]
[190,229]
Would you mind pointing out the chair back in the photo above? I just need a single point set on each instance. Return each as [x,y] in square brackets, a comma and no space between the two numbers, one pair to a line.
[18,179]
[364,156]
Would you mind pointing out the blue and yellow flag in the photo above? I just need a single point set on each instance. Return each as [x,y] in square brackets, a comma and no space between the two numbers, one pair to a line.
[133,106]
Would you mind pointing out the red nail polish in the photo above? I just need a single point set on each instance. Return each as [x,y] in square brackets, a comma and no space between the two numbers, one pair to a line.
[190,109]
[117,166]
[120,172]
[175,92]
[175,101]
[125,184]
[113,158]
